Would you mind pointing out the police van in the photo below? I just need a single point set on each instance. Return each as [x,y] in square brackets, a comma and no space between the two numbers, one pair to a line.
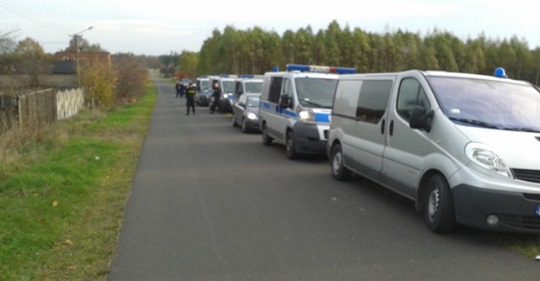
[204,91]
[227,84]
[248,84]
[463,147]
[295,107]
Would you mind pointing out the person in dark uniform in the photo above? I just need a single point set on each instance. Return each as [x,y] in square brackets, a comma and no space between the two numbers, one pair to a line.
[178,88]
[183,89]
[216,95]
[190,98]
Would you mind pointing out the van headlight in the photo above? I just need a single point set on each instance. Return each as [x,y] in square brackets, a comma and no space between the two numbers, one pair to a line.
[305,114]
[487,158]
[225,96]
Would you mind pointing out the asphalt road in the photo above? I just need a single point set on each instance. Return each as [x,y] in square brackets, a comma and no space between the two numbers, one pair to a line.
[211,203]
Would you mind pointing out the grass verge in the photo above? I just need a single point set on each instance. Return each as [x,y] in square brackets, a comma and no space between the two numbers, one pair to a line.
[62,199]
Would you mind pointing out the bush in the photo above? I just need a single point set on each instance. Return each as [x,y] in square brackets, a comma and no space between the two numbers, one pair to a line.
[132,78]
[99,82]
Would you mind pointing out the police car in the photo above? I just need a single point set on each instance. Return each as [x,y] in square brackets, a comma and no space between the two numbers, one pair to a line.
[296,105]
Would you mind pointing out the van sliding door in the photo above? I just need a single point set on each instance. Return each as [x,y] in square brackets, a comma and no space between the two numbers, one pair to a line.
[405,147]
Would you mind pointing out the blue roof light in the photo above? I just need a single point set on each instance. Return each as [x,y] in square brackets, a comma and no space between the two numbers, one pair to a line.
[320,69]
[499,72]
[246,76]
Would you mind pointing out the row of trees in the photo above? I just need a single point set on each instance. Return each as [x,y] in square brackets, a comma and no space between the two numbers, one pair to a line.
[255,51]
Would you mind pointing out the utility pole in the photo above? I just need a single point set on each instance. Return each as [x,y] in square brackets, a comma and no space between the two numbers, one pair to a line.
[75,37]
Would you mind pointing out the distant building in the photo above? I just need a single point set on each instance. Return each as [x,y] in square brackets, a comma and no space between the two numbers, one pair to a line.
[66,62]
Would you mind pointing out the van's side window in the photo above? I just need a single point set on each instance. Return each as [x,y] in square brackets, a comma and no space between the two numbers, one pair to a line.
[373,100]
[275,89]
[346,98]
[411,94]
[287,88]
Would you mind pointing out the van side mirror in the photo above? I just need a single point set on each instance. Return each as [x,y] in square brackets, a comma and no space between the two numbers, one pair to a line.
[421,119]
[285,101]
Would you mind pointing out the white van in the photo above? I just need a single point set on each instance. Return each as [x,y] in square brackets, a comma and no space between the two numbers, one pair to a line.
[248,84]
[465,148]
[227,83]
[296,105]
[204,91]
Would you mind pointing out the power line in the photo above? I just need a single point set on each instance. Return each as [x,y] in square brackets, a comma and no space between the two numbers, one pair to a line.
[30,14]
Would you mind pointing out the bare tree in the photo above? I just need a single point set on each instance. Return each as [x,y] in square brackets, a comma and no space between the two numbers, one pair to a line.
[7,41]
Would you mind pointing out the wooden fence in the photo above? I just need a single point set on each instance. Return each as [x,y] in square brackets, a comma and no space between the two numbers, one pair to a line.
[29,110]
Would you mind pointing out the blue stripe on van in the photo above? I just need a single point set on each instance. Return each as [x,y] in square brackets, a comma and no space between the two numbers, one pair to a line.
[319,117]
[265,105]
[322,117]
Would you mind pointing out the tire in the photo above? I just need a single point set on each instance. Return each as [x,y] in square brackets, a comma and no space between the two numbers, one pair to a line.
[244,126]
[266,139]
[438,206]
[339,171]
[290,151]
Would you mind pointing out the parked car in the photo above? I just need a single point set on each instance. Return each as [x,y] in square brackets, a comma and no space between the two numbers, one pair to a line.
[246,113]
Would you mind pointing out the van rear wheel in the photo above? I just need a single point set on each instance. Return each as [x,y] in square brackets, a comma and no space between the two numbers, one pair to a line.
[339,172]
[439,205]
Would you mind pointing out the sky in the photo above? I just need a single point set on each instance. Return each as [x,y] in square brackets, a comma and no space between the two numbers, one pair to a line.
[159,27]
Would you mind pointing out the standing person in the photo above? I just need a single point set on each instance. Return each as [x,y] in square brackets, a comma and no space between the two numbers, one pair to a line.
[178,88]
[190,98]
[183,89]
[216,95]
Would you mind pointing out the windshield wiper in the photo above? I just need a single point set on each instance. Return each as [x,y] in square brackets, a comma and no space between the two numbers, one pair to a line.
[475,122]
[315,104]
[529,130]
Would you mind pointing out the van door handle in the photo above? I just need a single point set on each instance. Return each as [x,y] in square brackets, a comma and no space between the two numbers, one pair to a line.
[391,127]
[382,126]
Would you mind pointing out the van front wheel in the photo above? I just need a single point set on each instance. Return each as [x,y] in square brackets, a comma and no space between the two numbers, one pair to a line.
[266,139]
[339,172]
[439,205]
[290,150]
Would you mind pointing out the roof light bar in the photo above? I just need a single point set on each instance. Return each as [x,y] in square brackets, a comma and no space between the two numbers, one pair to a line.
[320,69]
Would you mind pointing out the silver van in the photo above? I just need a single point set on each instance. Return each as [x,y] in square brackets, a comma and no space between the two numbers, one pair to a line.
[464,147]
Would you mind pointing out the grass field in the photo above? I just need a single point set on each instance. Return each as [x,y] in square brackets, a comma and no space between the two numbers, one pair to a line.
[63,193]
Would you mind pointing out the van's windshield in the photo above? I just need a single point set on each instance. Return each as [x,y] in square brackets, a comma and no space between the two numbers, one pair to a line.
[205,85]
[486,103]
[316,92]
[253,87]
[228,86]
